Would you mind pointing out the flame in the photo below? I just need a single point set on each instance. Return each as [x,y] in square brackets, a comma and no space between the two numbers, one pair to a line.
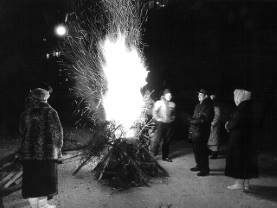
[126,75]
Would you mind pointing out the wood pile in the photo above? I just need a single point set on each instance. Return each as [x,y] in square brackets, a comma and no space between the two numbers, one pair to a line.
[128,164]
[10,176]
[124,162]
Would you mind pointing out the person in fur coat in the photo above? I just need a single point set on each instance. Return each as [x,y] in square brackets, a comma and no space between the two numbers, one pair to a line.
[42,139]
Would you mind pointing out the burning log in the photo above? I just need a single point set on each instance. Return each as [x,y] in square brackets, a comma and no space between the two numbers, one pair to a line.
[125,162]
[128,164]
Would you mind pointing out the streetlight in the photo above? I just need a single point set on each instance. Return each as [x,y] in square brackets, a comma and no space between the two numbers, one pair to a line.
[60,30]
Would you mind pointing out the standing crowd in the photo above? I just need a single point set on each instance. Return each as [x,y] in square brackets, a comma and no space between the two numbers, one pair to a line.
[204,134]
[42,139]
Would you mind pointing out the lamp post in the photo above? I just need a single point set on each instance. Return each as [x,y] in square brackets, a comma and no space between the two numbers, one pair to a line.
[60,30]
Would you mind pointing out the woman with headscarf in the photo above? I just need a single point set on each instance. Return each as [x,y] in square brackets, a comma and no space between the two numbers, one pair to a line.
[241,161]
[42,139]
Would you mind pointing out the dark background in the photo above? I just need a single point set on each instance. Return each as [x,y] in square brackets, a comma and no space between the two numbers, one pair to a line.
[218,45]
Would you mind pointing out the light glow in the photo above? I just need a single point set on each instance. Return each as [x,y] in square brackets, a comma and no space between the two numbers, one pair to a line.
[61,30]
[126,74]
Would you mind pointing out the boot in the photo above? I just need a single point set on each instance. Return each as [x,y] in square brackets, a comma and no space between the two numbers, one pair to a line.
[33,202]
[42,203]
[237,185]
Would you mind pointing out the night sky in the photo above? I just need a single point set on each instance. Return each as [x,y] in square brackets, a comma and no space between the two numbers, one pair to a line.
[214,44]
[218,45]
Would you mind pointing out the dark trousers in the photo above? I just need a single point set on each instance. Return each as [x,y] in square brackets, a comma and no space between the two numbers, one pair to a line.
[163,135]
[201,155]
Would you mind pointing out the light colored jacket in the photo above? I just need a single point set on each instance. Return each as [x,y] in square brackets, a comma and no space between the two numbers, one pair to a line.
[163,111]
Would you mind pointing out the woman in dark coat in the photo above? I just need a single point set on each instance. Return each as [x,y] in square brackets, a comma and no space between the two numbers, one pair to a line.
[241,162]
[42,139]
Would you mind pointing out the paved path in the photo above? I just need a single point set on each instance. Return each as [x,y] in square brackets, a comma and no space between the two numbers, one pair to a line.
[183,189]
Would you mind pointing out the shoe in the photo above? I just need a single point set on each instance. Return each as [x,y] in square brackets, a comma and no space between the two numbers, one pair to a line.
[235,186]
[42,203]
[203,173]
[33,202]
[246,188]
[167,159]
[246,185]
[194,169]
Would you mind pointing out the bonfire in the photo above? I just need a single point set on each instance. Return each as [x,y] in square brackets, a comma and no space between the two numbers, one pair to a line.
[124,162]
[103,52]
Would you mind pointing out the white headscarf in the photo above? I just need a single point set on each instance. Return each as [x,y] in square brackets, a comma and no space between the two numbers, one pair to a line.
[241,95]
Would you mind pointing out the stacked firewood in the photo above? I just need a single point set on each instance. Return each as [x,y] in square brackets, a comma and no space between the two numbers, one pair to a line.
[124,162]
[10,175]
[128,164]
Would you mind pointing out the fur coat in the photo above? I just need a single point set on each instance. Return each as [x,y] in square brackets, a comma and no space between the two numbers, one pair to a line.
[41,132]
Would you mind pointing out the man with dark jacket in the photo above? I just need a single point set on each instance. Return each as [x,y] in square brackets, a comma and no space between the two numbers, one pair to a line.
[199,132]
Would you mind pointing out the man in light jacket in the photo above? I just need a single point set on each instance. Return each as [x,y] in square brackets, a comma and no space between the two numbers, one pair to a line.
[163,114]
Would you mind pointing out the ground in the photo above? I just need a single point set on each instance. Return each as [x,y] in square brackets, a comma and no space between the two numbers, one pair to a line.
[182,189]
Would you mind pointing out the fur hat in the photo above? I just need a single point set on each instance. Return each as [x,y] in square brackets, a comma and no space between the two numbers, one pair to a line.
[40,94]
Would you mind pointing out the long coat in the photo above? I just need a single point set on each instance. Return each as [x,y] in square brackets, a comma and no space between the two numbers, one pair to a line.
[200,124]
[42,138]
[241,161]
[41,132]
[215,129]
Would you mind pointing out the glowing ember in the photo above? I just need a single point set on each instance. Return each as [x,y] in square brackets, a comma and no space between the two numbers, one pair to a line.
[126,75]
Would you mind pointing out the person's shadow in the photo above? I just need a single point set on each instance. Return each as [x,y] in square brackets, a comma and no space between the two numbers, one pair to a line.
[263,192]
